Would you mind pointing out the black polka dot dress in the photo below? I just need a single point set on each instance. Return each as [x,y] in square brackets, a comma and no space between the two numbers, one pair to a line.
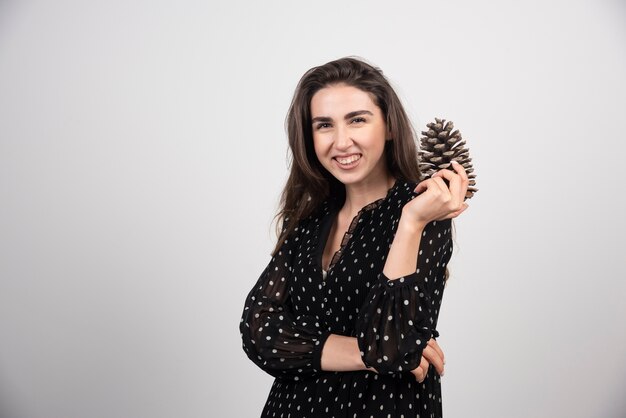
[295,306]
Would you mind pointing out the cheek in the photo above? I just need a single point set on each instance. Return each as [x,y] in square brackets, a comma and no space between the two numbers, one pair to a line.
[320,147]
[376,140]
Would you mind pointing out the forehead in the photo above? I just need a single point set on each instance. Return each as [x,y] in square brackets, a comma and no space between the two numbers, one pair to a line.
[340,99]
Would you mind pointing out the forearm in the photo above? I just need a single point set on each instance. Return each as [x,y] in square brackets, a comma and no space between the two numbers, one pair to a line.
[395,323]
[403,253]
[341,354]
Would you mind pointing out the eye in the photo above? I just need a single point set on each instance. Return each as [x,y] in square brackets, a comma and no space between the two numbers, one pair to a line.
[358,120]
[322,125]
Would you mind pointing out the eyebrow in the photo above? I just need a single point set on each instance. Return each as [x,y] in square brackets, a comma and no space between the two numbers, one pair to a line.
[348,116]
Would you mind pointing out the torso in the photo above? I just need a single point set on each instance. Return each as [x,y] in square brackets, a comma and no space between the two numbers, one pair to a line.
[336,304]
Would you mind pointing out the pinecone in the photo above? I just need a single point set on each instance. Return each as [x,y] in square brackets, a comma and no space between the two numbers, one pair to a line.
[439,146]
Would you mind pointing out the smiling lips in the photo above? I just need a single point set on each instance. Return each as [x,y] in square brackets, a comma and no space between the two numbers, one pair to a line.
[348,161]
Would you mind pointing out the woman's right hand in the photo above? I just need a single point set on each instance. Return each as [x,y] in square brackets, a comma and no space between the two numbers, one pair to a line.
[437,201]
[432,354]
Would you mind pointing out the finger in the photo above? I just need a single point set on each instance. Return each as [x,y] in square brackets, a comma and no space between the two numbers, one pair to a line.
[443,188]
[455,168]
[456,184]
[465,206]
[433,358]
[423,185]
[423,369]
[420,371]
[458,167]
[434,344]
[424,365]
[419,374]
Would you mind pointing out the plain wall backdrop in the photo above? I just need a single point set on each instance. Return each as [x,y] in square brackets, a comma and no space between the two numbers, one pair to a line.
[142,153]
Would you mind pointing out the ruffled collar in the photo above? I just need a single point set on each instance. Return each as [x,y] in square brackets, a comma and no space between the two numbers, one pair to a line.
[334,204]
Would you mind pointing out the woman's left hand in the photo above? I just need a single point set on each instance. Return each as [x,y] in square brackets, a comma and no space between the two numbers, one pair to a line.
[440,201]
[431,355]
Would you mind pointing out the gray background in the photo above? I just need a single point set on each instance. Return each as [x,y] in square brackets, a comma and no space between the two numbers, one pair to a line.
[142,152]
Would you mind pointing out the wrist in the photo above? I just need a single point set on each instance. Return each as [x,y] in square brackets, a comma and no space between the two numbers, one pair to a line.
[409,225]
[359,364]
[341,353]
[358,358]
[402,257]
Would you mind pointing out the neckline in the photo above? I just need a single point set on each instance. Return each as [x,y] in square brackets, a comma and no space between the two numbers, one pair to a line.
[336,204]
[332,215]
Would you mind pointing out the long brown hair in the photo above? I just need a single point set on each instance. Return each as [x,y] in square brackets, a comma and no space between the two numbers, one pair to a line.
[309,183]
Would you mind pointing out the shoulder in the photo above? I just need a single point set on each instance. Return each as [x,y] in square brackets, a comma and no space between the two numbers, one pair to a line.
[406,188]
[403,191]
[309,223]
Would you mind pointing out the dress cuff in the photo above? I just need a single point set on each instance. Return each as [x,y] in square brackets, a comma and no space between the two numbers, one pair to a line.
[407,280]
[317,350]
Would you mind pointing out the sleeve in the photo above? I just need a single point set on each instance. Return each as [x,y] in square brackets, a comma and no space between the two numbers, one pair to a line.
[395,322]
[274,338]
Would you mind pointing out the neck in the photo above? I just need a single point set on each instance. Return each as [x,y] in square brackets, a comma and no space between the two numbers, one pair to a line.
[359,195]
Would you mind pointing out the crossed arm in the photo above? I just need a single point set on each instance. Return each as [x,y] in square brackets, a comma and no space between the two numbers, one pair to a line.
[342,353]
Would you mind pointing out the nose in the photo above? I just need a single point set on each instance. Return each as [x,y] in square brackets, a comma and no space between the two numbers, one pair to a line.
[343,140]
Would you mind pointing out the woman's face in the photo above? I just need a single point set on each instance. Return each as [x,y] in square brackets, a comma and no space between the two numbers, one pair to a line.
[349,134]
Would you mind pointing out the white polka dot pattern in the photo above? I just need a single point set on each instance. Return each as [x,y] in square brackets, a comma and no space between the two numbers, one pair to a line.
[293,308]
[397,323]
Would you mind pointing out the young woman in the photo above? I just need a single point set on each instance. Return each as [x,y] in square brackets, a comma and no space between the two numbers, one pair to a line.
[345,314]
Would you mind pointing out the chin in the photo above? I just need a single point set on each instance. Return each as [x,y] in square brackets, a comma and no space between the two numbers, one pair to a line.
[348,179]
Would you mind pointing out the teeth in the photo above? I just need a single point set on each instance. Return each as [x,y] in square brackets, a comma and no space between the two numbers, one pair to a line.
[348,160]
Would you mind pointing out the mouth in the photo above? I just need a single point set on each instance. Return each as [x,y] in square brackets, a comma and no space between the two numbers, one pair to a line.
[351,159]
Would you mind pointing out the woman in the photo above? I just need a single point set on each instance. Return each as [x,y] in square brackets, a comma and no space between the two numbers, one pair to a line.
[344,315]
